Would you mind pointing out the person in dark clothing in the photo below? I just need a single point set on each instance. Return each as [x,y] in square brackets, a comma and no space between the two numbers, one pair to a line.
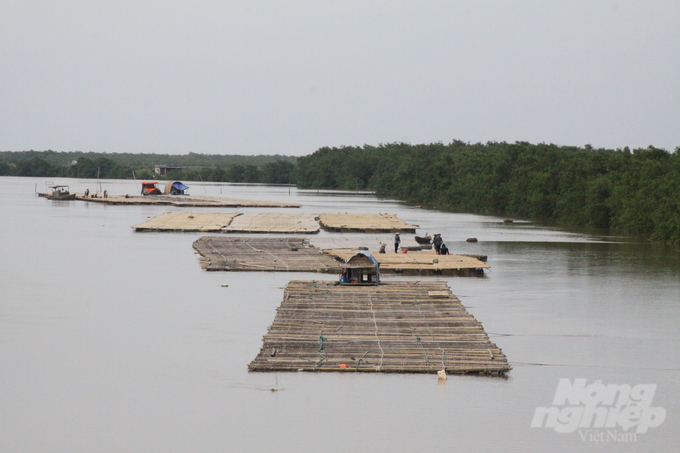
[382,248]
[437,241]
[397,241]
[443,250]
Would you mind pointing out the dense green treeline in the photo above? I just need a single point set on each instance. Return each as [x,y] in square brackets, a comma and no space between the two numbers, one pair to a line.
[636,192]
[145,159]
[197,167]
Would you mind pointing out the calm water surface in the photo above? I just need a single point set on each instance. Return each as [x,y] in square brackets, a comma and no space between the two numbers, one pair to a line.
[112,340]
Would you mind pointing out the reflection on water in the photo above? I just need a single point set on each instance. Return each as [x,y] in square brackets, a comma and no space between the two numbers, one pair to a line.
[113,340]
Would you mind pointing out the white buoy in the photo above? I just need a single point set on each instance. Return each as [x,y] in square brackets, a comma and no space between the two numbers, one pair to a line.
[442,375]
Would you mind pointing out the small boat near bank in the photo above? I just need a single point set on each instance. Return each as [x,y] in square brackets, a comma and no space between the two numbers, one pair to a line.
[59,192]
[426,240]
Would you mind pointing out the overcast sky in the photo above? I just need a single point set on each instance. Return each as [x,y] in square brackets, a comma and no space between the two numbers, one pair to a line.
[287,77]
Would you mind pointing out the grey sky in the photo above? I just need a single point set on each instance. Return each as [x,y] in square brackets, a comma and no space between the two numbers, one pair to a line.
[286,77]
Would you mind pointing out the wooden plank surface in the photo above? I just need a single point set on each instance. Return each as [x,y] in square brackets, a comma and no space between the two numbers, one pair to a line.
[394,327]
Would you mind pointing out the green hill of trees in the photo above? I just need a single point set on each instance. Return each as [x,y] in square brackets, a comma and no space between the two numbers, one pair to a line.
[637,192]
[196,167]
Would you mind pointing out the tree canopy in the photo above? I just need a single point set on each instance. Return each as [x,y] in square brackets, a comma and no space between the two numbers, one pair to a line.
[637,192]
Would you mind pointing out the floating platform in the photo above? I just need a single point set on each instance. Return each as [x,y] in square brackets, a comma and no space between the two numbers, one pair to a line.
[365,223]
[365,242]
[188,222]
[263,254]
[421,262]
[398,327]
[181,221]
[184,201]
[273,223]
[299,255]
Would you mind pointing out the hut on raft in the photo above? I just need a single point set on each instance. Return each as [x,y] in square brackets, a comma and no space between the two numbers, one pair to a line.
[361,269]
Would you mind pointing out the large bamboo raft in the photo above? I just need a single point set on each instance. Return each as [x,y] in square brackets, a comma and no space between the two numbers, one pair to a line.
[263,254]
[296,254]
[252,222]
[203,201]
[188,221]
[274,223]
[424,262]
[361,223]
[231,223]
[410,327]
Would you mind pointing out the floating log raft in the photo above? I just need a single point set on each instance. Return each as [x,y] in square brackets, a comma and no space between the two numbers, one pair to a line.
[185,201]
[270,223]
[279,254]
[409,327]
[187,222]
[227,223]
[273,223]
[263,254]
[421,262]
[360,242]
[364,223]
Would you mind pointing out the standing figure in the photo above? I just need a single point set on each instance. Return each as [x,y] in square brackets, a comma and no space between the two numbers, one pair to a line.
[397,241]
[437,241]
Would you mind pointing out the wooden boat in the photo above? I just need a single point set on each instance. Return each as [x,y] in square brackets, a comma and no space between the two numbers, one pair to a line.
[60,192]
[424,240]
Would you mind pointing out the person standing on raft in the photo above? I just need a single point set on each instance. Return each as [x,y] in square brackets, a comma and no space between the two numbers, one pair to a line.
[437,241]
[397,241]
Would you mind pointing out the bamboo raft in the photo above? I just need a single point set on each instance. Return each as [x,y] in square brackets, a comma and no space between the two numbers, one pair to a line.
[230,223]
[407,327]
[299,255]
[262,254]
[273,223]
[270,223]
[424,262]
[337,241]
[184,201]
[187,222]
[362,223]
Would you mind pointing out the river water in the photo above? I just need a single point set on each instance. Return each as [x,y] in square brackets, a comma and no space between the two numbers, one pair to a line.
[112,340]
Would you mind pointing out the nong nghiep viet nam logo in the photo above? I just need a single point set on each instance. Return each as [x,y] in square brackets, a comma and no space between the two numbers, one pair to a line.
[601,412]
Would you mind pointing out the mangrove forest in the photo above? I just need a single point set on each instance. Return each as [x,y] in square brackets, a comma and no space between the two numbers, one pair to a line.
[636,192]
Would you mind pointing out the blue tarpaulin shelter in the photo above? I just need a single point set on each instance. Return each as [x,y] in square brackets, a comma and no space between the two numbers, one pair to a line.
[175,188]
